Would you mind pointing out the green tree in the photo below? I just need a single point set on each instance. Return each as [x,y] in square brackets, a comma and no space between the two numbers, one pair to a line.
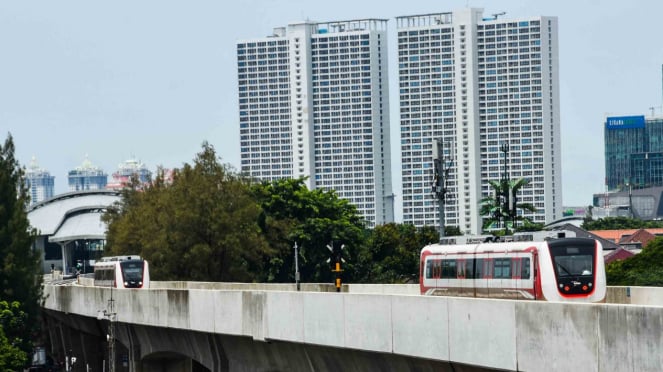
[495,209]
[616,223]
[643,269]
[20,274]
[313,219]
[13,357]
[391,254]
[203,226]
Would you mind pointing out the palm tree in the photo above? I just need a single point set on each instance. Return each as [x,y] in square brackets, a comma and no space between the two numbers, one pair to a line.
[495,208]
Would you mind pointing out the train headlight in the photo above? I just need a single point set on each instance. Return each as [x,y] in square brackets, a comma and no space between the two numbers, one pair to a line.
[140,283]
[561,285]
[126,284]
[590,285]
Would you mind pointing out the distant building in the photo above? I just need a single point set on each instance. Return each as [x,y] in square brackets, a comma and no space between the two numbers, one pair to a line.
[87,177]
[314,102]
[633,152]
[645,204]
[126,170]
[40,183]
[488,89]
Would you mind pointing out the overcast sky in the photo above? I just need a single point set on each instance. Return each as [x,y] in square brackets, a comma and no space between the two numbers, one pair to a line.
[153,79]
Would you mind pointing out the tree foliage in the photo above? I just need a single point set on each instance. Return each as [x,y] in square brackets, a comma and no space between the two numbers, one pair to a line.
[495,209]
[212,225]
[616,223]
[643,269]
[202,227]
[20,279]
[291,213]
[13,322]
[391,254]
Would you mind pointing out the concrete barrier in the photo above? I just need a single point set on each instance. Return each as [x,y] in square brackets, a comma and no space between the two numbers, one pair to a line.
[490,333]
[650,296]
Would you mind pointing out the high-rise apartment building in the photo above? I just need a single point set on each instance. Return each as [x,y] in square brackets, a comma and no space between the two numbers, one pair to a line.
[40,183]
[127,170]
[87,177]
[633,152]
[313,101]
[484,87]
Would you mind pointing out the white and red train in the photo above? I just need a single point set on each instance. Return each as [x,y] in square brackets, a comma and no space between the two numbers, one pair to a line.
[565,269]
[122,272]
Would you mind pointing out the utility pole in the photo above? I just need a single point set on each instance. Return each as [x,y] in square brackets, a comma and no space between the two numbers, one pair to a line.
[441,174]
[506,211]
[111,315]
[296,267]
[111,333]
[630,200]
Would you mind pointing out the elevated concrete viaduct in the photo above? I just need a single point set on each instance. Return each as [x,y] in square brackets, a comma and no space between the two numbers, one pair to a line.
[268,329]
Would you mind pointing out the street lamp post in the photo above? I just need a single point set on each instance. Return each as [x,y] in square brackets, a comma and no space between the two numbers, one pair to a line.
[296,267]
[506,211]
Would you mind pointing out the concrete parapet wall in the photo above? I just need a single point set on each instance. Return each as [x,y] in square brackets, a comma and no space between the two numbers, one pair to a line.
[500,334]
[304,287]
[650,296]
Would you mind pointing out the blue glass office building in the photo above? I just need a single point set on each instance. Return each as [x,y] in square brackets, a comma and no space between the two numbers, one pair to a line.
[633,152]
[40,183]
[87,177]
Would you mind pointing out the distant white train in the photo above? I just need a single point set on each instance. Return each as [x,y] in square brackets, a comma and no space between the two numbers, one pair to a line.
[122,272]
[565,269]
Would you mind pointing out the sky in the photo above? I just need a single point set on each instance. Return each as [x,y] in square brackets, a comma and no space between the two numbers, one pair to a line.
[153,79]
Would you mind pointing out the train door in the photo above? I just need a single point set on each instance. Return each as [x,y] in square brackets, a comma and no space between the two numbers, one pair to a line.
[483,275]
[536,277]
[432,274]
[516,277]
[464,277]
[502,283]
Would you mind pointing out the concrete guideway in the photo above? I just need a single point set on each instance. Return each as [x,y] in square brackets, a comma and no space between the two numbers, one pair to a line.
[488,333]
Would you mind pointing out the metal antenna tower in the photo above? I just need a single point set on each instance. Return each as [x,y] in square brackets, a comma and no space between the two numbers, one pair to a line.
[111,333]
[442,167]
[111,315]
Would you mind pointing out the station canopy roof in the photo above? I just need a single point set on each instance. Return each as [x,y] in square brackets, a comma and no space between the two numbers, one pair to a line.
[71,216]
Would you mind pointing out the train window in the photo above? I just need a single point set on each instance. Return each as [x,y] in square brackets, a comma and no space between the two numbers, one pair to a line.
[449,269]
[132,270]
[433,269]
[469,269]
[574,261]
[478,268]
[502,268]
[525,269]
[487,268]
[572,257]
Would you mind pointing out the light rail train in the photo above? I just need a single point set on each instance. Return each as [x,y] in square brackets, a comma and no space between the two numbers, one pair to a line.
[565,269]
[122,272]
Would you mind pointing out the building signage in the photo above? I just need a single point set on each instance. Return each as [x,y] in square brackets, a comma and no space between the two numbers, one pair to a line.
[625,122]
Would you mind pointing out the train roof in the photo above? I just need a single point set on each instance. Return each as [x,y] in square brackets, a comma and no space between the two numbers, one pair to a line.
[482,247]
[120,258]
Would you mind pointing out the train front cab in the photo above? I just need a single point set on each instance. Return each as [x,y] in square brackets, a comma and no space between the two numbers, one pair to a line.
[134,274]
[574,270]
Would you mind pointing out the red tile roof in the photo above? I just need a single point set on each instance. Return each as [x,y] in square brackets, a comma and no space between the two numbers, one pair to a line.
[641,236]
[616,235]
[617,254]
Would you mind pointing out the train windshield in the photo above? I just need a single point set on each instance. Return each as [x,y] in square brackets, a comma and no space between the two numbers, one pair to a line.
[132,270]
[572,260]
